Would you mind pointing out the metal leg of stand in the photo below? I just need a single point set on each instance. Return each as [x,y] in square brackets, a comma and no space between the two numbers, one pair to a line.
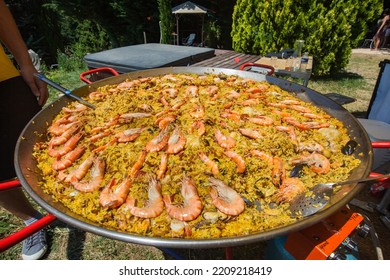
[386,221]
[384,205]
[229,253]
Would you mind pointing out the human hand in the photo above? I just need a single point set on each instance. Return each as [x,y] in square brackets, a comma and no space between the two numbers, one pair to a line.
[38,87]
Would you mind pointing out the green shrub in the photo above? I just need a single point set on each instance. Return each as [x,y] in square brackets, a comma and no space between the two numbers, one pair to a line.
[330,28]
[166,21]
[88,38]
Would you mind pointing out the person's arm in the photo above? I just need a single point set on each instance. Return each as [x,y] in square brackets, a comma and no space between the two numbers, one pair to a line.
[384,21]
[11,38]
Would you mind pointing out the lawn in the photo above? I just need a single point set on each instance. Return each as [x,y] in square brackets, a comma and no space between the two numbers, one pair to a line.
[66,242]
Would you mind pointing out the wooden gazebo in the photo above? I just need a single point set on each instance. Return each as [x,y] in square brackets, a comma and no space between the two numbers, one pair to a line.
[188,8]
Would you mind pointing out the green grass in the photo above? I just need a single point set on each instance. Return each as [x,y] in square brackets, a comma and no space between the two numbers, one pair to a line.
[67,242]
[67,79]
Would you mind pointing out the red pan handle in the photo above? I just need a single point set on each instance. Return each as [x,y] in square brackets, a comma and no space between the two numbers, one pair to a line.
[96,70]
[270,70]
[9,184]
[25,232]
[380,144]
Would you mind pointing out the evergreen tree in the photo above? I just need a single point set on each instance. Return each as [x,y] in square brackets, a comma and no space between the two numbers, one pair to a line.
[166,26]
[330,28]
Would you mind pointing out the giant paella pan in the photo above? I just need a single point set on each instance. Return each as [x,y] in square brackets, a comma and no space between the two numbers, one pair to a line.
[189,157]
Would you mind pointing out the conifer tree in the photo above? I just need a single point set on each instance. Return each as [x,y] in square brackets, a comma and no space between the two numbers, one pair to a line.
[330,28]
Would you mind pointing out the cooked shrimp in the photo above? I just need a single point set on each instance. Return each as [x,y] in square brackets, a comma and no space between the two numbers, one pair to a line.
[315,116]
[180,228]
[97,176]
[61,139]
[126,85]
[290,188]
[128,135]
[68,159]
[212,90]
[158,142]
[249,102]
[231,115]
[289,129]
[164,101]
[59,128]
[210,163]
[258,89]
[264,156]
[81,170]
[317,162]
[299,108]
[251,133]
[233,94]
[170,77]
[237,159]
[192,90]
[127,117]
[112,198]
[100,135]
[103,147]
[153,207]
[277,105]
[198,112]
[66,148]
[199,127]
[176,142]
[281,113]
[138,164]
[226,199]
[290,102]
[225,141]
[163,166]
[145,107]
[77,109]
[228,105]
[111,123]
[305,125]
[192,205]
[278,171]
[61,125]
[95,95]
[163,122]
[311,147]
[261,120]
[171,92]
[178,105]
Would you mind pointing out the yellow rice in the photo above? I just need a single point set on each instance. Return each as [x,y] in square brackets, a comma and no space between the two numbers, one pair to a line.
[262,211]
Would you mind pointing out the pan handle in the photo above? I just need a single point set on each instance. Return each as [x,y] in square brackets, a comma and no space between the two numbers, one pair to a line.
[381,145]
[267,68]
[27,231]
[83,76]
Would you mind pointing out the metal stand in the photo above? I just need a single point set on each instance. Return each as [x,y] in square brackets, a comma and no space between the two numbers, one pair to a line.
[383,207]
[18,236]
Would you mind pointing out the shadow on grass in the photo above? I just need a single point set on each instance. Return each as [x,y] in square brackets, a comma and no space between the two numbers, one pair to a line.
[255,251]
[76,240]
[338,76]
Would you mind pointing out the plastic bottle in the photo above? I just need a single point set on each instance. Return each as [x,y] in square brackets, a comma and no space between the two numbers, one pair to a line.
[296,64]
[304,62]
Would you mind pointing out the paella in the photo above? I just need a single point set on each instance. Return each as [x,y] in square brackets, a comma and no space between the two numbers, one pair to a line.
[191,156]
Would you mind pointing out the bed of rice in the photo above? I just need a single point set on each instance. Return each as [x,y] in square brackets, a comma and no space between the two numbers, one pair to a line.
[262,210]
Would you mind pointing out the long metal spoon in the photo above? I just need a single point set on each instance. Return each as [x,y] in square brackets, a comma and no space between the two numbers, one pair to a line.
[63,90]
[308,204]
